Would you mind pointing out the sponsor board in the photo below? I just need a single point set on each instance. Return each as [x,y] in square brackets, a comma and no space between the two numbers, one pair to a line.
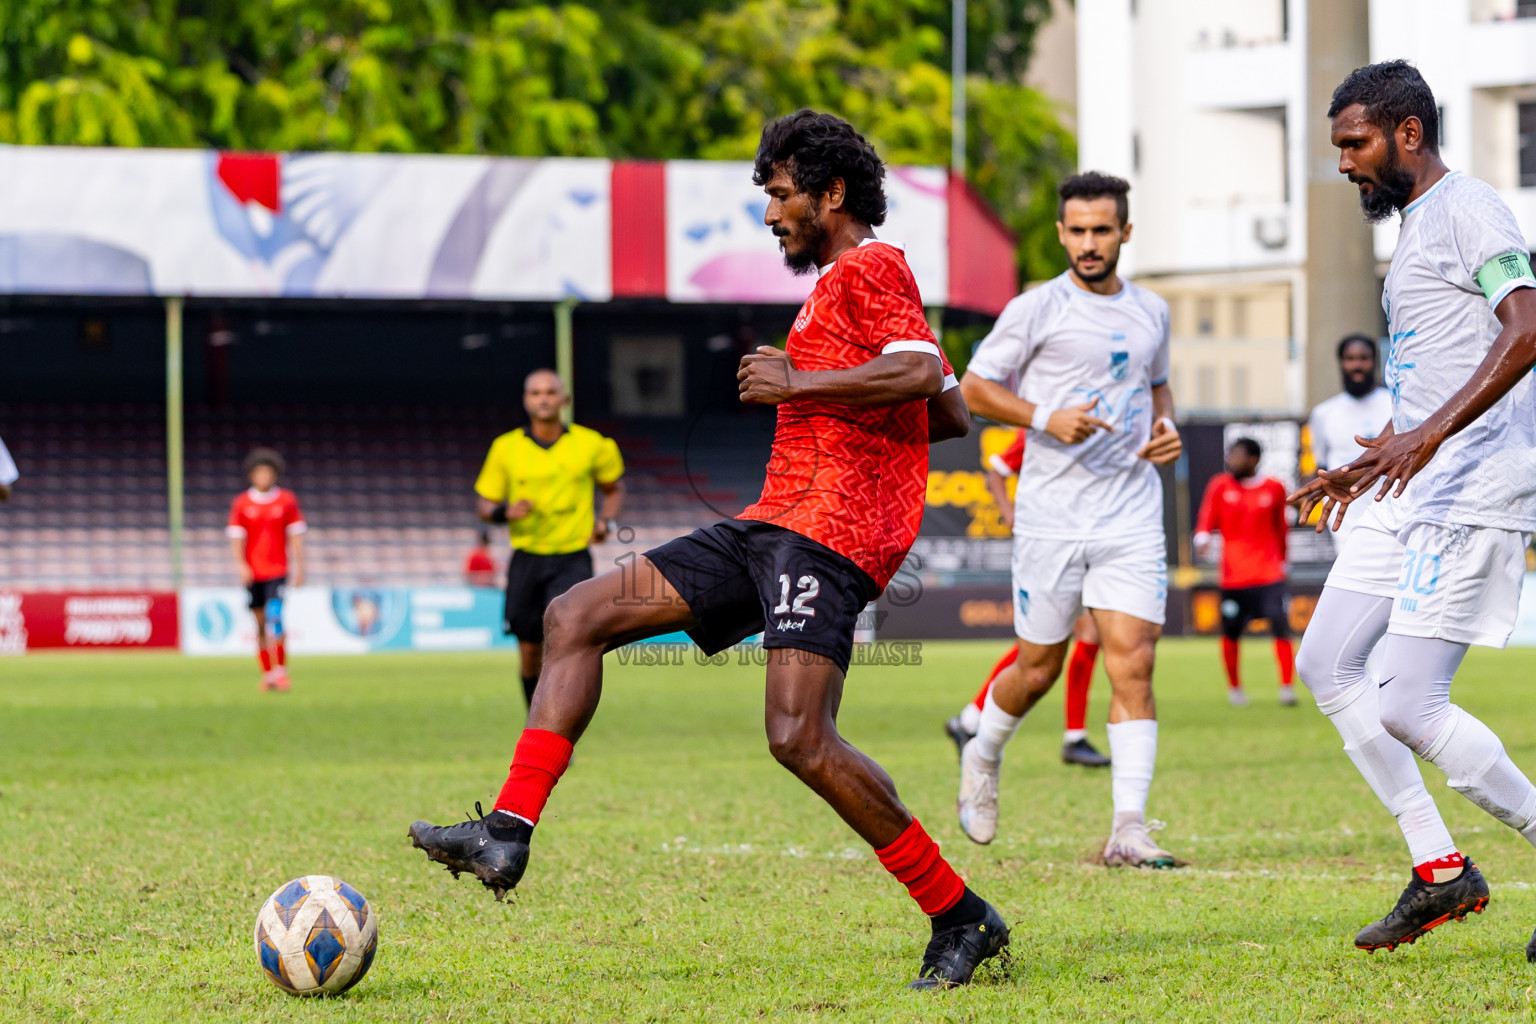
[348,620]
[33,620]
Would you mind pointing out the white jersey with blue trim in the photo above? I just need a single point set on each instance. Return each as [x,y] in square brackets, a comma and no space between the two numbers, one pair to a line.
[1060,346]
[1459,254]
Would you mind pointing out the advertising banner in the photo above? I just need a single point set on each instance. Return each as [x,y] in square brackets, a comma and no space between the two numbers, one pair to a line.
[87,620]
[348,620]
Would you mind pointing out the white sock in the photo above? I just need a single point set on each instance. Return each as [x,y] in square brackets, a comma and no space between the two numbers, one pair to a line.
[1390,770]
[1477,767]
[993,731]
[1132,753]
[970,717]
[1073,735]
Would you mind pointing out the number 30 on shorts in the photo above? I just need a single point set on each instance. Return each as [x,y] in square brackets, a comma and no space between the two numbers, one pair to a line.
[808,586]
[1421,572]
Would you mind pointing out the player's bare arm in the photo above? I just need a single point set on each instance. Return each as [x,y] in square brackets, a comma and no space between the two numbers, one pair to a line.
[998,486]
[237,549]
[988,398]
[613,504]
[1333,488]
[296,548]
[768,377]
[1165,445]
[1396,458]
[948,416]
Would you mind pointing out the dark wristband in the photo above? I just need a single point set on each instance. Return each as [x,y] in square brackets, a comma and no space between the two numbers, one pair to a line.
[499,514]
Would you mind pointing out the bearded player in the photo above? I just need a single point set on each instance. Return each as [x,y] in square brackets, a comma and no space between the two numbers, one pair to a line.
[1435,562]
[1075,748]
[1090,355]
[264,523]
[1359,410]
[861,390]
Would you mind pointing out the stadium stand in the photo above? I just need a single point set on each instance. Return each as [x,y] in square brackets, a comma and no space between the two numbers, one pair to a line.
[386,489]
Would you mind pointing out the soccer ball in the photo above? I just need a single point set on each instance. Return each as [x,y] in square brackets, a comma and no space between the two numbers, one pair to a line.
[316,936]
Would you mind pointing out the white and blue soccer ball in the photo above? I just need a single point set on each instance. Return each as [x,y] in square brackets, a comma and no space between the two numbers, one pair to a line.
[316,935]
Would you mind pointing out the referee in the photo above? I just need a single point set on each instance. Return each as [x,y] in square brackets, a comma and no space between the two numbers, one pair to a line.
[539,481]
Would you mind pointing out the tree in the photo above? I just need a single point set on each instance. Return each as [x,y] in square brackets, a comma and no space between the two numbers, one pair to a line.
[622,78]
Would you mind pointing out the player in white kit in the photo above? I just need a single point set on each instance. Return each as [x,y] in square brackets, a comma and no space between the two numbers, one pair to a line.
[1082,361]
[1435,565]
[1361,409]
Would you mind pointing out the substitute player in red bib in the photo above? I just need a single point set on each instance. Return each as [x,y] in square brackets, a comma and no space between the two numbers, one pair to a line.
[1249,512]
[264,522]
[861,390]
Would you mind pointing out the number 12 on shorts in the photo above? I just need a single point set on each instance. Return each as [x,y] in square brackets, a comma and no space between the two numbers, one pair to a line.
[809,586]
[1417,565]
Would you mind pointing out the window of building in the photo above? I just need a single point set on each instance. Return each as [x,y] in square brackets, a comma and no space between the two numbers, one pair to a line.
[1239,317]
[1525,8]
[1205,315]
[1239,394]
[1205,387]
[1528,140]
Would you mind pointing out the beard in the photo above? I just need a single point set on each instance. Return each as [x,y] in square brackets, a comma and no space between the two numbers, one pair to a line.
[1106,269]
[1389,191]
[813,239]
[1359,387]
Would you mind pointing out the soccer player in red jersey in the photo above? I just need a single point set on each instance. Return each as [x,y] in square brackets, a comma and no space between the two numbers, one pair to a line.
[264,522]
[862,388]
[1249,513]
[1075,748]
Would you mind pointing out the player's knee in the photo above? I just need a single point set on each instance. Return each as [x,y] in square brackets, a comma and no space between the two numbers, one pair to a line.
[1408,723]
[570,621]
[797,745]
[1314,666]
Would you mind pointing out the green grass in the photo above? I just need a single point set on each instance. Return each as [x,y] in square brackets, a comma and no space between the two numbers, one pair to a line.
[149,804]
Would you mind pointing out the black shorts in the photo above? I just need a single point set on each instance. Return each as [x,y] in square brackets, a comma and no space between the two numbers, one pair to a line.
[532,582]
[263,591]
[1242,606]
[741,577]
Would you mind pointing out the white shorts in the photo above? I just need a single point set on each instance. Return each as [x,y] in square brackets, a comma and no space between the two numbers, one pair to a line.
[1054,580]
[1456,583]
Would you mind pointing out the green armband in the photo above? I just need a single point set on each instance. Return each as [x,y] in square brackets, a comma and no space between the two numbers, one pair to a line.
[1500,272]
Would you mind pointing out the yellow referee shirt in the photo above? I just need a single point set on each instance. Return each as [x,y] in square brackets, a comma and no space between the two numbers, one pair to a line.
[557,481]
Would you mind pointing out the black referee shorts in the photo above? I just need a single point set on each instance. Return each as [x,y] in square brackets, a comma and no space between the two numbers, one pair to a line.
[741,577]
[533,581]
[1241,606]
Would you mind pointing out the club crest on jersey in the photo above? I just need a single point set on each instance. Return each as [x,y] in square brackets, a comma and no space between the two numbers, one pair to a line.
[1510,264]
[806,312]
[1119,365]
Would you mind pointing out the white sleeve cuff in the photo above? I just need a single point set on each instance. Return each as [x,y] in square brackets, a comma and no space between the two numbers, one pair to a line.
[234,531]
[999,466]
[294,529]
[950,381]
[1503,293]
[912,346]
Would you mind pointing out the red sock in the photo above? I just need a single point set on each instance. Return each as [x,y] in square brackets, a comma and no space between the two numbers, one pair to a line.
[1079,676]
[266,658]
[915,860]
[1287,659]
[1002,663]
[537,764]
[282,655]
[1229,658]
[1441,870]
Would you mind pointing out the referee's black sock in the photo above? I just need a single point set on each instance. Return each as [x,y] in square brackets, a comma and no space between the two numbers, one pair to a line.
[529,683]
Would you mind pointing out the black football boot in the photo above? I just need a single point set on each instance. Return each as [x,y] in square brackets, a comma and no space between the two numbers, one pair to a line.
[953,954]
[957,733]
[493,846]
[1082,752]
[1425,905]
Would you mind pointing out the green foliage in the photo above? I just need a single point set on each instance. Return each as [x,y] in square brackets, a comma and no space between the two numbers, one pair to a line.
[622,78]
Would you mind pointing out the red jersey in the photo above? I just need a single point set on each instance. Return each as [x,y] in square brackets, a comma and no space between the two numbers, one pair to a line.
[851,477]
[1010,460]
[266,521]
[1251,520]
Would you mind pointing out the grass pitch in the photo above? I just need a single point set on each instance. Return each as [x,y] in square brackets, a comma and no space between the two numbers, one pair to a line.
[149,804]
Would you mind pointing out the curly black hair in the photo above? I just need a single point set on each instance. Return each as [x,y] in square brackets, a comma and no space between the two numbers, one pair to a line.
[1359,339]
[264,457]
[1391,92]
[817,148]
[1250,446]
[1093,185]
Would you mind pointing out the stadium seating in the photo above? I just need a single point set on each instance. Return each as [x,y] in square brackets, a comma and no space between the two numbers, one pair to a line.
[386,489]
